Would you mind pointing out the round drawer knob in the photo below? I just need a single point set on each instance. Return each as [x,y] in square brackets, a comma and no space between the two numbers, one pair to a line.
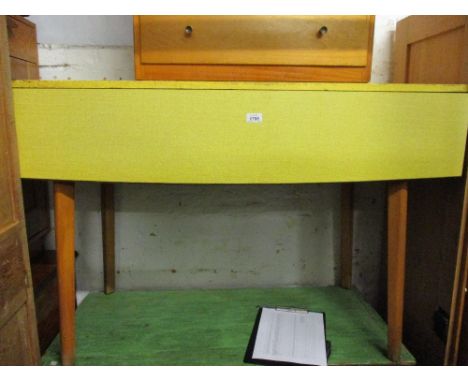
[188,30]
[322,31]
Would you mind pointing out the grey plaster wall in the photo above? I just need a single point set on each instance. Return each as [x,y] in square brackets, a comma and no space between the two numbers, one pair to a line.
[84,30]
[213,236]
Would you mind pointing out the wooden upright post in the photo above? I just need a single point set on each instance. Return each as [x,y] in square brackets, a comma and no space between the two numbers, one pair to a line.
[108,235]
[346,251]
[460,284]
[397,220]
[64,197]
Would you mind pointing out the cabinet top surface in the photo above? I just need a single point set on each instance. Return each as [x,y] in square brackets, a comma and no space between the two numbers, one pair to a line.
[224,85]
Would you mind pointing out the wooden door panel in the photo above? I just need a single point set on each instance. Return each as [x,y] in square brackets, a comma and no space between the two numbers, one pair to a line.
[23,43]
[427,64]
[16,342]
[18,331]
[22,35]
[22,70]
[6,205]
[433,49]
[13,272]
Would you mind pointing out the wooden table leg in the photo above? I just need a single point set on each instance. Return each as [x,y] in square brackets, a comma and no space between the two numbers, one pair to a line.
[346,251]
[108,235]
[396,241]
[64,198]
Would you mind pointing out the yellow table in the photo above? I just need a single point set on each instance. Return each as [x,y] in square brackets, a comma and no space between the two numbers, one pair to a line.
[237,133]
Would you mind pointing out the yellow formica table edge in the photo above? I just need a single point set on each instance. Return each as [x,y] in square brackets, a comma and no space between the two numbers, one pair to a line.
[242,85]
[197,132]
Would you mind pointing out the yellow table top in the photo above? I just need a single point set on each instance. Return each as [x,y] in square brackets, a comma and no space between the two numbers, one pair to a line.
[238,132]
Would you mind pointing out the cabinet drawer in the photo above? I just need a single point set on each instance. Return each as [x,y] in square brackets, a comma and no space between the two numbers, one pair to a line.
[255,40]
[22,39]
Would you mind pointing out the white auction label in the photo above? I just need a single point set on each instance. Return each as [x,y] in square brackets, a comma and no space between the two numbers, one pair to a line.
[254,117]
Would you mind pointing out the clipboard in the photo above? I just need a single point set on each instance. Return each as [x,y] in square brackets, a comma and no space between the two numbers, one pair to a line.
[288,336]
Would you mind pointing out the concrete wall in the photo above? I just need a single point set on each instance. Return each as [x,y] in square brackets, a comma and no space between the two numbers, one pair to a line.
[170,236]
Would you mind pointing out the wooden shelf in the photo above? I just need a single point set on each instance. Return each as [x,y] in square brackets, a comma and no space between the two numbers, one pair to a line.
[212,327]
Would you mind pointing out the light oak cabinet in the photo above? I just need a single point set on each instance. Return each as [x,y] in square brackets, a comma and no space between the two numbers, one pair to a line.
[268,48]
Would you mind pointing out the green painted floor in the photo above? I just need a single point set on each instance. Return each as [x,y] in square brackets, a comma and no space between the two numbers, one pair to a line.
[212,327]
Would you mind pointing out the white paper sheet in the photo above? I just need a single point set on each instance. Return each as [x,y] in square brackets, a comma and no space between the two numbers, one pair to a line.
[291,336]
